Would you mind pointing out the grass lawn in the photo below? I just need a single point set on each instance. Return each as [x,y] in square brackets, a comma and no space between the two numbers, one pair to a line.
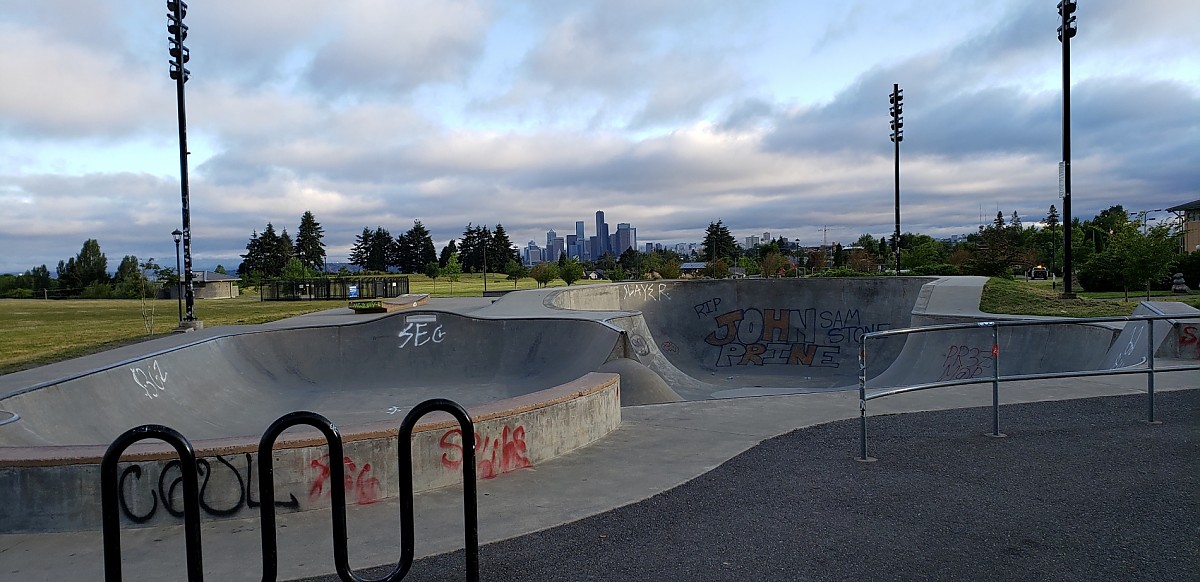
[1019,297]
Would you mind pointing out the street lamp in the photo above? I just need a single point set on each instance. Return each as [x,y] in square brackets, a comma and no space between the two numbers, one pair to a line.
[177,235]
[1066,31]
[897,101]
[180,55]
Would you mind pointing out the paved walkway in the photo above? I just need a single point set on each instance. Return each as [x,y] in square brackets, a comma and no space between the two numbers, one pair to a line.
[657,449]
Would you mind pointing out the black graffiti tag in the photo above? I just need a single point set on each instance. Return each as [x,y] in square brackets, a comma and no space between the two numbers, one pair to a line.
[170,480]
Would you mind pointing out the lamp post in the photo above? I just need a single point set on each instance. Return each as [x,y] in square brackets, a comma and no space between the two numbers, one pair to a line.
[180,55]
[896,99]
[1066,31]
[177,235]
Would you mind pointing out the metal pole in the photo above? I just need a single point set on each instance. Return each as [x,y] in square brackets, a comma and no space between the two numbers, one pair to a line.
[996,382]
[896,141]
[178,281]
[181,76]
[1066,148]
[862,404]
[1150,373]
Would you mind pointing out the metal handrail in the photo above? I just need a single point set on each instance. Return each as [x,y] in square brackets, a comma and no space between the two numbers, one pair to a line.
[1150,370]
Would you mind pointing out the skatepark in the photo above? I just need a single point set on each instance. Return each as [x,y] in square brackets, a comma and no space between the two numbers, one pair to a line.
[588,375]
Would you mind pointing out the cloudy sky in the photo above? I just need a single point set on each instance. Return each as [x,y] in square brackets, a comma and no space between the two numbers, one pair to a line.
[771,115]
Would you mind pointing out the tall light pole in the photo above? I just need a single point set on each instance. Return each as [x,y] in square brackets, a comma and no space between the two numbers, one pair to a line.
[1066,31]
[179,56]
[897,101]
[177,235]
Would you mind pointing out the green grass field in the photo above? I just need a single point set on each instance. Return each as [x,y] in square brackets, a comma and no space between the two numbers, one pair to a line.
[35,332]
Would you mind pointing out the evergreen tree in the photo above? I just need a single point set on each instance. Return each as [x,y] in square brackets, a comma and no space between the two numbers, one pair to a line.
[90,266]
[500,249]
[254,260]
[361,249]
[448,250]
[416,248]
[718,244]
[473,248]
[310,248]
[382,252]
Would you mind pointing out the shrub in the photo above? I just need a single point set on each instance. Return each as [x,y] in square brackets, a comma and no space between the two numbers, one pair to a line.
[942,270]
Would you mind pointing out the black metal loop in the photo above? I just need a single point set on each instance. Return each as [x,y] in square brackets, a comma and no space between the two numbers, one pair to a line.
[470,499]
[110,494]
[266,491]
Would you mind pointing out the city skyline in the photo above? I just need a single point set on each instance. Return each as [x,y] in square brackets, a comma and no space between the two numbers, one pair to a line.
[771,116]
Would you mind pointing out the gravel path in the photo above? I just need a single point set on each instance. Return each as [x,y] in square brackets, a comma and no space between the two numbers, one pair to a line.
[1080,490]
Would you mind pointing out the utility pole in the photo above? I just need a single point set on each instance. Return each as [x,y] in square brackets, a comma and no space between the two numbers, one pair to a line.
[896,99]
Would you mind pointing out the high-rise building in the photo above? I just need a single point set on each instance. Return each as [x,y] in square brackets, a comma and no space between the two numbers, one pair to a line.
[601,237]
[550,235]
[751,241]
[532,254]
[625,238]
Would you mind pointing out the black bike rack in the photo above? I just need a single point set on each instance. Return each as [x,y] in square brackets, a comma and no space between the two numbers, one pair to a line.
[110,493]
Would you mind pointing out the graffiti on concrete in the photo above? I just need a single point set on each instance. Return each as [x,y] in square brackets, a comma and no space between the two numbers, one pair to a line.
[1189,343]
[707,308]
[167,490]
[806,337]
[493,455]
[645,291]
[152,379]
[361,487]
[418,334]
[967,362]
[640,345]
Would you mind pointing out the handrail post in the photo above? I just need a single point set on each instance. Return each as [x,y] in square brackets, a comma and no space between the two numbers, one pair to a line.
[996,382]
[862,404]
[1150,373]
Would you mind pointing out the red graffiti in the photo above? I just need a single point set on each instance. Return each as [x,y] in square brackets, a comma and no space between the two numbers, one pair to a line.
[493,455]
[359,484]
[1189,343]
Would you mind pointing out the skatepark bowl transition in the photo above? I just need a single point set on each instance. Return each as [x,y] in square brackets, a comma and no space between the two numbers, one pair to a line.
[542,372]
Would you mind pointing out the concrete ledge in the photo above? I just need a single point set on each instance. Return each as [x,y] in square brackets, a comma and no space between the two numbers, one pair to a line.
[58,488]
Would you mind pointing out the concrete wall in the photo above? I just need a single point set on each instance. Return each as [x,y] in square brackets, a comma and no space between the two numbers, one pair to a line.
[58,488]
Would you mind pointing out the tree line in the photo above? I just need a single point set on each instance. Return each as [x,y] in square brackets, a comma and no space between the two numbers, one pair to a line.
[1112,251]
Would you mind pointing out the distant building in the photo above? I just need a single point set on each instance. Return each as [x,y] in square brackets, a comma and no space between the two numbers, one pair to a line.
[208,285]
[1190,213]
[751,241]
[532,254]
[625,237]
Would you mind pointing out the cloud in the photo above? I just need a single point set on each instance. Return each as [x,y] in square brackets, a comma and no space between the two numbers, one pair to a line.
[384,47]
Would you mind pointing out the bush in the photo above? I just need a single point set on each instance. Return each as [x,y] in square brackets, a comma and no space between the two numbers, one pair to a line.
[98,290]
[942,270]
[839,272]
[19,293]
[1100,273]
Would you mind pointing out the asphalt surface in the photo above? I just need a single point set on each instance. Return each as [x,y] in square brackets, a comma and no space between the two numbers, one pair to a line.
[1080,490]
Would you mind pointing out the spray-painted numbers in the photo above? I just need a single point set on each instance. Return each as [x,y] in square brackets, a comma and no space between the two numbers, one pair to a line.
[493,455]
[419,334]
[152,379]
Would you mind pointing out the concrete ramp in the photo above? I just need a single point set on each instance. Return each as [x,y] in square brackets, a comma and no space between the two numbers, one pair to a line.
[236,385]
[713,339]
